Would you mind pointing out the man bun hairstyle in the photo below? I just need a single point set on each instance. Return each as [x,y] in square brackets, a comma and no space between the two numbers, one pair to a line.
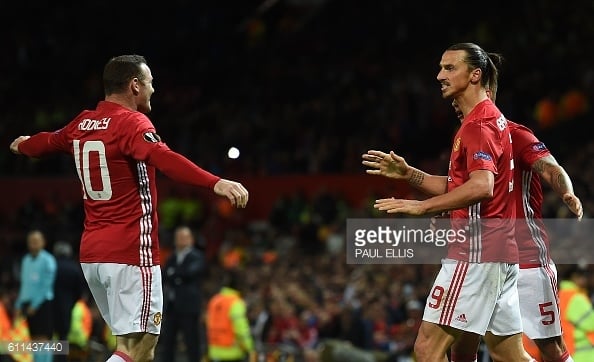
[488,63]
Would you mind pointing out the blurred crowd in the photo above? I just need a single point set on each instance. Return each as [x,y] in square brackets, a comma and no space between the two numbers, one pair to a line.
[297,86]
[302,296]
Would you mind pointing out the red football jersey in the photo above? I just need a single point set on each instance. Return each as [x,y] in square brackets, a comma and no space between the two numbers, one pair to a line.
[483,143]
[110,146]
[531,234]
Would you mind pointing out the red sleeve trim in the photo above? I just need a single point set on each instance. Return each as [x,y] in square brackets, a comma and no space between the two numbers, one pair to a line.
[180,169]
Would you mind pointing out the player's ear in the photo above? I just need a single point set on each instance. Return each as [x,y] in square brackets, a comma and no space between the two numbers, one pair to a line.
[135,86]
[475,76]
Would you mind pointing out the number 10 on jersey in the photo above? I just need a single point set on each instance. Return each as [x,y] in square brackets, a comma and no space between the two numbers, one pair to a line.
[90,158]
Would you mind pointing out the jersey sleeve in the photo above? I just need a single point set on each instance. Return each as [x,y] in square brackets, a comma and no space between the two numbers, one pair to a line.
[482,149]
[45,143]
[139,138]
[528,148]
[142,142]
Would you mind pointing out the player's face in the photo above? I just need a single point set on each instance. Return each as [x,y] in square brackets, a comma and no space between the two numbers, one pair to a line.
[146,90]
[454,75]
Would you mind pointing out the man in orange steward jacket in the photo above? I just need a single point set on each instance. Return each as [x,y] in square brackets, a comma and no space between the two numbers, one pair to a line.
[227,327]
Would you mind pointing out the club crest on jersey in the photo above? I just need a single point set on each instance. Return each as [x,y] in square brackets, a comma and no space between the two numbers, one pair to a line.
[457,144]
[481,155]
[152,137]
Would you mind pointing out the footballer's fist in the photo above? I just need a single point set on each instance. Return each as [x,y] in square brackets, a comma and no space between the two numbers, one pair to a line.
[234,191]
[14,146]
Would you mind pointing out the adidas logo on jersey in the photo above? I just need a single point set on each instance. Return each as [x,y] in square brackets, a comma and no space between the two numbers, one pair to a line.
[462,318]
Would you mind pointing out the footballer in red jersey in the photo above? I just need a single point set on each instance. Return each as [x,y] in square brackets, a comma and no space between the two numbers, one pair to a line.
[112,148]
[537,282]
[116,152]
[475,292]
[483,143]
[531,235]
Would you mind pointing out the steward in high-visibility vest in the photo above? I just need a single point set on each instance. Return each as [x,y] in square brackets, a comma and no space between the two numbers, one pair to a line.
[81,324]
[109,339]
[577,316]
[227,327]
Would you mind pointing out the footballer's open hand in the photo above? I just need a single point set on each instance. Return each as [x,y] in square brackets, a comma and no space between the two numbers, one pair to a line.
[386,164]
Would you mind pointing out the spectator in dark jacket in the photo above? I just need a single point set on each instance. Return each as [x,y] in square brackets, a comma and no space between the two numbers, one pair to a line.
[68,289]
[182,280]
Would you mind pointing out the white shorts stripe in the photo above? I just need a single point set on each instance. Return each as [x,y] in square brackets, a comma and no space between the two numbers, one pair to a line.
[452,297]
[146,301]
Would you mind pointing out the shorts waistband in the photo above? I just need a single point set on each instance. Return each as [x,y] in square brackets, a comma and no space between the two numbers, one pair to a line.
[530,266]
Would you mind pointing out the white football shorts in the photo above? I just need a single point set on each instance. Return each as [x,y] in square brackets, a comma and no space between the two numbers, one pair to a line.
[475,297]
[129,297]
[539,303]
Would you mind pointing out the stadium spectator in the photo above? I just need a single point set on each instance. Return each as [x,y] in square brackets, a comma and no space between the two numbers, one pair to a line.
[68,289]
[36,293]
[182,288]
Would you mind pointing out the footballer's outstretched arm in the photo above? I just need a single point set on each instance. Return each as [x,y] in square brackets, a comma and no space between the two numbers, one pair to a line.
[37,145]
[479,187]
[179,168]
[394,166]
[557,178]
